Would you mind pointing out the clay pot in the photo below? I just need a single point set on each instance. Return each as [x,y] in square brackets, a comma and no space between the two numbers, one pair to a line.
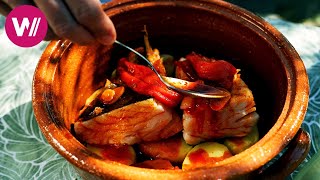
[67,74]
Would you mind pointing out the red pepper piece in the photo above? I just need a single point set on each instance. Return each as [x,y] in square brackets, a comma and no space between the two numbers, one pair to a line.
[219,71]
[144,81]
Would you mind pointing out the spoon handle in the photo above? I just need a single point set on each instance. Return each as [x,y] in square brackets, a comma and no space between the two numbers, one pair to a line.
[140,55]
[145,59]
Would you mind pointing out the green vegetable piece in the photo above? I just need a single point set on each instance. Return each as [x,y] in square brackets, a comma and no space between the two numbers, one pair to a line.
[114,74]
[205,154]
[168,62]
[238,144]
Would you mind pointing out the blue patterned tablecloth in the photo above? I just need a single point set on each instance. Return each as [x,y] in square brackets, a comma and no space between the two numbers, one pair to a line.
[24,152]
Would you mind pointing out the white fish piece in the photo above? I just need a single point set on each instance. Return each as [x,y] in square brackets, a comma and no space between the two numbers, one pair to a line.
[236,119]
[147,120]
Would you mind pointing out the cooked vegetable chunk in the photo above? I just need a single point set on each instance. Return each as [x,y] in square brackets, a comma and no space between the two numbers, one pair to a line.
[168,62]
[238,144]
[121,154]
[173,149]
[207,153]
[155,164]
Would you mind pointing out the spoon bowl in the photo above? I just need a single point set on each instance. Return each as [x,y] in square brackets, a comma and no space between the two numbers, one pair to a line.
[183,86]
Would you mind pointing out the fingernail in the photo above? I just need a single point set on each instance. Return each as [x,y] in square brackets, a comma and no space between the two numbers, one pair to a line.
[106,40]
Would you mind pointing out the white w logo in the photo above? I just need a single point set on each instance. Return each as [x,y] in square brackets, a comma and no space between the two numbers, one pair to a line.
[25,25]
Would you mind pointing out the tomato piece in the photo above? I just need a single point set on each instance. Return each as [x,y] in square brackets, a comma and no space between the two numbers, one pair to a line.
[220,71]
[143,80]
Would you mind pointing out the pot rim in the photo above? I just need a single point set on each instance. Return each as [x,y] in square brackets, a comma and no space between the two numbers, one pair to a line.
[277,137]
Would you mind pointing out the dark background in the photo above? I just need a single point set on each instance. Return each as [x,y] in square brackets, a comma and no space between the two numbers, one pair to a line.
[299,11]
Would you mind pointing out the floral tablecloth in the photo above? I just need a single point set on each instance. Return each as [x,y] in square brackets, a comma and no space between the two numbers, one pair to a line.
[25,154]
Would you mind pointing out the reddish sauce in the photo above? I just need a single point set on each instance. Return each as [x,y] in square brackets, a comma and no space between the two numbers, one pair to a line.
[201,110]
[156,164]
[200,156]
[218,104]
[205,111]
[168,148]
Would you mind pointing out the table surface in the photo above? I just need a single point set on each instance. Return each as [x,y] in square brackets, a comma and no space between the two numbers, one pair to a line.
[25,153]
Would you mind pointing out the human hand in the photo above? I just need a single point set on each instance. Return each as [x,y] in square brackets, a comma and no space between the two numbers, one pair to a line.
[81,21]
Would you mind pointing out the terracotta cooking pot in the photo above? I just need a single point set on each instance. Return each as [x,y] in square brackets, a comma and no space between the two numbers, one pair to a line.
[67,74]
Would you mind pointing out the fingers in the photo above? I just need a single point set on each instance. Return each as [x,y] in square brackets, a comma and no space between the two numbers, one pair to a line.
[81,21]
[62,23]
[90,14]
[5,9]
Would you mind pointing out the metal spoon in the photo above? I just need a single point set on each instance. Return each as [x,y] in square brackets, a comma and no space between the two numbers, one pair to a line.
[182,86]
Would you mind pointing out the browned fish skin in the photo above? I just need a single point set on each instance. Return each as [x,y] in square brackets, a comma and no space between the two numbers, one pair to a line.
[146,120]
[236,119]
